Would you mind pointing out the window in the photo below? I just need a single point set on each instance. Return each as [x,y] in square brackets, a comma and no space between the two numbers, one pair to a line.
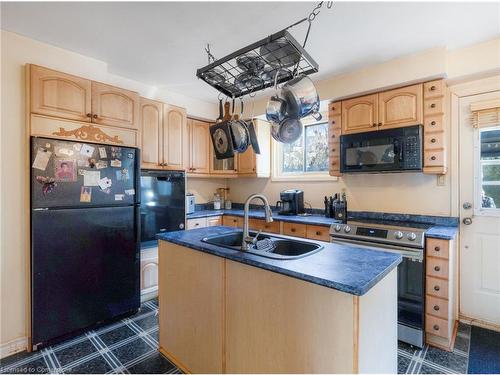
[489,166]
[306,158]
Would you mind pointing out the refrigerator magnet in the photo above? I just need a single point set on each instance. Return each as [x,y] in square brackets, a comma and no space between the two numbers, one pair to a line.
[77,146]
[41,159]
[85,194]
[105,183]
[92,163]
[87,150]
[64,151]
[101,164]
[119,197]
[65,170]
[83,163]
[122,174]
[91,178]
[130,192]
[102,152]
[116,163]
[48,184]
[81,172]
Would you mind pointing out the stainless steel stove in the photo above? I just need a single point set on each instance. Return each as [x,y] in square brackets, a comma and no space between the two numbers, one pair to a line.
[409,242]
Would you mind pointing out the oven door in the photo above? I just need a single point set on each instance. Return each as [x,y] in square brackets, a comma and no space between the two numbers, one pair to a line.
[411,292]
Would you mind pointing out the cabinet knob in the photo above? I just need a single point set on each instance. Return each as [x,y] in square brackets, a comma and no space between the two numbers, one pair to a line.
[433,105]
[333,135]
[94,116]
[433,123]
[334,163]
[333,121]
[318,233]
[437,248]
[436,288]
[89,115]
[333,108]
[433,88]
[437,268]
[433,140]
[374,124]
[436,307]
[436,327]
[380,124]
[433,158]
[293,229]
[333,150]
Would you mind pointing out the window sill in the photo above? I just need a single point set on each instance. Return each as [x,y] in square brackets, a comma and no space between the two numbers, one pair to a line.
[304,178]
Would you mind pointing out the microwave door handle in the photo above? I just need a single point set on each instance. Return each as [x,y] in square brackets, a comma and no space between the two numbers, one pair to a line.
[398,150]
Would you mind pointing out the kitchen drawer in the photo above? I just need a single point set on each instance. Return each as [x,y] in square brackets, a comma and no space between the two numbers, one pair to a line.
[437,287]
[317,232]
[232,221]
[434,140]
[437,248]
[433,106]
[437,267]
[335,109]
[436,307]
[258,224]
[335,121]
[436,326]
[197,223]
[214,221]
[296,230]
[433,158]
[433,123]
[434,89]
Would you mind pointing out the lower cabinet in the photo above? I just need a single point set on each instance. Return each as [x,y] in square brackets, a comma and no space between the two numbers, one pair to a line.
[232,221]
[191,298]
[149,273]
[203,222]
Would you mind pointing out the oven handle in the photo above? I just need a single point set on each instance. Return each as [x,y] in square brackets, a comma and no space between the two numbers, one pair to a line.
[415,254]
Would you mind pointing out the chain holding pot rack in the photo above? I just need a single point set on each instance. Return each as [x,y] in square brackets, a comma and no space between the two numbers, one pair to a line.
[254,67]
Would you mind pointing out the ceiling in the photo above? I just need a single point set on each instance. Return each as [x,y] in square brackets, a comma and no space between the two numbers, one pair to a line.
[162,44]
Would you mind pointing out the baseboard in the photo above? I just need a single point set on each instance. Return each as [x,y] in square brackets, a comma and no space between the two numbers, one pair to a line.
[149,293]
[13,347]
[479,323]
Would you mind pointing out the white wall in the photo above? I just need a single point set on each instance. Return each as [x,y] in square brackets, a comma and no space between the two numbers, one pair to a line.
[16,51]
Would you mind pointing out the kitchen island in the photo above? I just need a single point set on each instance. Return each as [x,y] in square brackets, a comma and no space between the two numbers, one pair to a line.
[227,311]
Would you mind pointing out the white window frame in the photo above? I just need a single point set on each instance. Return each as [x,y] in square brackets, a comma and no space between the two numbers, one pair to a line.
[276,162]
[478,179]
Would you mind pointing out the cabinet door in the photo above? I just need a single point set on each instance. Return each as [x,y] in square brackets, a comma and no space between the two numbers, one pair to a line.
[247,162]
[151,114]
[114,106]
[400,107]
[214,221]
[58,94]
[191,288]
[227,167]
[196,223]
[360,114]
[232,221]
[199,144]
[174,129]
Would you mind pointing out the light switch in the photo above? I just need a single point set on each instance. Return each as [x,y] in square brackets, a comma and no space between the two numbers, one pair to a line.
[441,180]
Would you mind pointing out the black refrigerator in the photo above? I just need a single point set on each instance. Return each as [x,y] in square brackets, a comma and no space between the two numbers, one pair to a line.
[85,236]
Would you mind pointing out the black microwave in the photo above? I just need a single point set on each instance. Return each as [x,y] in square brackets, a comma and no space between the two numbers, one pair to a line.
[390,150]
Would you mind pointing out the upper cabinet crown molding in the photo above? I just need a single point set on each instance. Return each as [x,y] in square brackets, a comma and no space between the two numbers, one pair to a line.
[59,94]
[114,106]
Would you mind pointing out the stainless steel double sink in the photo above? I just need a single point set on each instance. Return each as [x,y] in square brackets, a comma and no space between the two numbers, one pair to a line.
[281,247]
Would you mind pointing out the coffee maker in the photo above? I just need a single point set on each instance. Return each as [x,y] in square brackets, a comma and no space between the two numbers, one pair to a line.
[291,202]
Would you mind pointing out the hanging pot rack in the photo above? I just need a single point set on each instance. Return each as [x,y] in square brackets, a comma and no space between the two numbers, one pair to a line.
[254,67]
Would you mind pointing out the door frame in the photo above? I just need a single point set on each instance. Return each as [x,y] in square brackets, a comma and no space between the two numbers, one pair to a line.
[458,91]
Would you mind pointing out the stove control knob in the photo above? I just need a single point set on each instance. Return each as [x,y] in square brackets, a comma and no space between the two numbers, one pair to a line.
[412,236]
[337,228]
[347,229]
[398,235]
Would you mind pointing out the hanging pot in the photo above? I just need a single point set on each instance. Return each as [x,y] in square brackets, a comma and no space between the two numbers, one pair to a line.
[221,136]
[276,107]
[290,129]
[239,132]
[301,98]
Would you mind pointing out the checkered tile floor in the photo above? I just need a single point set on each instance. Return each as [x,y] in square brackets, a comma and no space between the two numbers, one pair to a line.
[130,346]
[430,360]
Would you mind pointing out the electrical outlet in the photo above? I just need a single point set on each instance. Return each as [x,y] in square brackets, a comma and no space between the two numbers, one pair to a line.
[441,180]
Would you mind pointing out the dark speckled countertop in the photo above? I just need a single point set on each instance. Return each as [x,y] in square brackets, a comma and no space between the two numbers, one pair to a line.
[435,226]
[346,268]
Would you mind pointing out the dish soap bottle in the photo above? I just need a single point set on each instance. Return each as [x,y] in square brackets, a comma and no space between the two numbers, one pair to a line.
[217,202]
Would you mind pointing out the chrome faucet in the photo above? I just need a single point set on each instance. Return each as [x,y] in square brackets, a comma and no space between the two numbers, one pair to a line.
[269,218]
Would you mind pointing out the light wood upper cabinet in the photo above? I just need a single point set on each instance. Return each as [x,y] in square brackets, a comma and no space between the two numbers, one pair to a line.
[360,114]
[400,107]
[174,129]
[151,123]
[199,147]
[247,162]
[257,165]
[61,95]
[114,106]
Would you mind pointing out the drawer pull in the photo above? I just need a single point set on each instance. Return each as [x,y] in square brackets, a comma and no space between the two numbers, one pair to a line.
[433,140]
[333,150]
[433,88]
[436,288]
[196,224]
[333,121]
[333,135]
[437,268]
[380,124]
[374,125]
[94,116]
[318,233]
[433,123]
[433,105]
[436,327]
[437,248]
[333,108]
[433,158]
[89,115]
[293,229]
[436,307]
[333,163]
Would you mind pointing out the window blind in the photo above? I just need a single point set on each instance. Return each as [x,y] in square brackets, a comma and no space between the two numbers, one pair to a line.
[486,113]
